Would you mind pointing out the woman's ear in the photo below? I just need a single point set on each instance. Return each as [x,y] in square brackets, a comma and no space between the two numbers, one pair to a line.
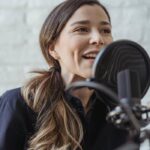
[53,53]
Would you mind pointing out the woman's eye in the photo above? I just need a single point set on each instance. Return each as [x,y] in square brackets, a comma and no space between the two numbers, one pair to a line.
[105,31]
[82,30]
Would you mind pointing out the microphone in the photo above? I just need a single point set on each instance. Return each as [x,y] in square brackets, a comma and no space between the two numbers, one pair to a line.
[129,94]
[128,114]
[124,67]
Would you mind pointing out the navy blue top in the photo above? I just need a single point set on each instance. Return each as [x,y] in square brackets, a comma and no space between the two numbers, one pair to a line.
[17,123]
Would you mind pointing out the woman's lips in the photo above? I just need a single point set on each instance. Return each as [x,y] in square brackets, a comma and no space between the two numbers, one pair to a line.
[90,58]
[90,55]
[90,52]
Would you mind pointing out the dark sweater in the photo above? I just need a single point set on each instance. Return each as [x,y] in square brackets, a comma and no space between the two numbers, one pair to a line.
[17,123]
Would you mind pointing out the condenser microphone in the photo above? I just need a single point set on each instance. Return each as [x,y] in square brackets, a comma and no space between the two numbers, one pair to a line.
[125,115]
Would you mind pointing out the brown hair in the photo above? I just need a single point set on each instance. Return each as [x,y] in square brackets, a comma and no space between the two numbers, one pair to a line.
[57,124]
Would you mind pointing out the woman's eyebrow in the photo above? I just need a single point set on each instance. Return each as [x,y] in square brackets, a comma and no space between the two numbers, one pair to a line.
[105,23]
[83,22]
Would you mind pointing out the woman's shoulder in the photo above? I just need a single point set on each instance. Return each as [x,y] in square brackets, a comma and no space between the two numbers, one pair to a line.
[17,120]
[13,101]
[14,107]
[12,93]
[12,97]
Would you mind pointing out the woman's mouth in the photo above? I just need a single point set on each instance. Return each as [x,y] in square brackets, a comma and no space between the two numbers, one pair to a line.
[90,56]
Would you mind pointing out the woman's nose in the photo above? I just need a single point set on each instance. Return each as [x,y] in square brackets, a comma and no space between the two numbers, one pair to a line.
[96,38]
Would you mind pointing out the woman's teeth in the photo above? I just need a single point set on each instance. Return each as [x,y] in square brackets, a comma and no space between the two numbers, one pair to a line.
[90,56]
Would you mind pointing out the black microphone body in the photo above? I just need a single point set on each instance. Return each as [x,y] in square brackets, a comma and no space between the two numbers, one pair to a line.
[128,87]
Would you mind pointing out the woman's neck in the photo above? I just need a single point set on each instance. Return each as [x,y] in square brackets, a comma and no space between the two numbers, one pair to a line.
[83,94]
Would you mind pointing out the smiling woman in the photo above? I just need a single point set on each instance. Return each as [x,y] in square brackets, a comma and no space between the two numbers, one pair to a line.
[42,115]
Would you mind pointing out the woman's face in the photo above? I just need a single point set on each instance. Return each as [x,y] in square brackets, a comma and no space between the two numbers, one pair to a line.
[84,35]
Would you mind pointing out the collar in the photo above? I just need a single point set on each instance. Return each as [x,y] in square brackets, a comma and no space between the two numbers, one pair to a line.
[77,104]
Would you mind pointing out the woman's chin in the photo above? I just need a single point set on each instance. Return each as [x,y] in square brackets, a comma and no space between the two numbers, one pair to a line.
[87,74]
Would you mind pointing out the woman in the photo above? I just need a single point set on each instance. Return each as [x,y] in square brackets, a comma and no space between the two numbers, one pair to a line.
[41,115]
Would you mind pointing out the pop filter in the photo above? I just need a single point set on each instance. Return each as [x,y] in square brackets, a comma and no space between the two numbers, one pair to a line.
[118,56]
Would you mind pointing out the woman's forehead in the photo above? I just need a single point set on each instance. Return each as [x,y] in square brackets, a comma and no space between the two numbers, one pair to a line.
[88,13]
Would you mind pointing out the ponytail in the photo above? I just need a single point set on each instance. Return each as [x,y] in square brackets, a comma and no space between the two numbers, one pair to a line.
[57,125]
